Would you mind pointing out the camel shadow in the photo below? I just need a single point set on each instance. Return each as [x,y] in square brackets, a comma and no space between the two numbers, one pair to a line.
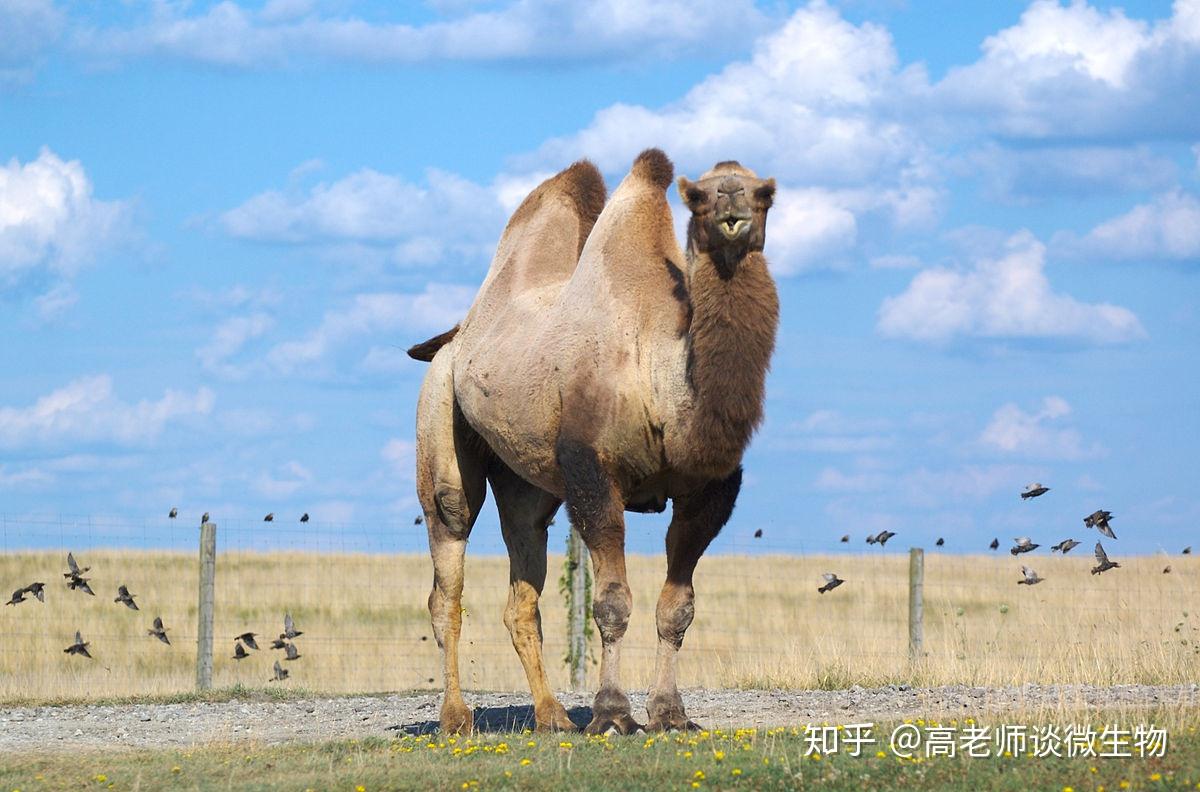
[497,720]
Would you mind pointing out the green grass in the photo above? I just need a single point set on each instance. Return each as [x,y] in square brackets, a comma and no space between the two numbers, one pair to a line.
[745,759]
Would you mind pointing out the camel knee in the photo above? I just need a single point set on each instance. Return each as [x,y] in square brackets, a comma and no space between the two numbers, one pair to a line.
[611,608]
[521,615]
[676,609]
[453,511]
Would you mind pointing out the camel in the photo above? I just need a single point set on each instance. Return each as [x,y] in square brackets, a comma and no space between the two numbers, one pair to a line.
[602,367]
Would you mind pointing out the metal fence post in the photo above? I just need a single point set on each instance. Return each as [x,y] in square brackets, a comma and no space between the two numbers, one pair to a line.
[204,627]
[577,618]
[916,603]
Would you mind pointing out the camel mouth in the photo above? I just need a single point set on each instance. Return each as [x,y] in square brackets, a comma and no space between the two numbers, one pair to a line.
[733,227]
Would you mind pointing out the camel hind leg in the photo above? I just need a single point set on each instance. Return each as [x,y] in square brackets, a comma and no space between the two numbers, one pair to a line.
[451,488]
[525,511]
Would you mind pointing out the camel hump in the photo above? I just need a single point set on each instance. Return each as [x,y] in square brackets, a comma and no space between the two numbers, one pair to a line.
[425,350]
[655,166]
[585,186]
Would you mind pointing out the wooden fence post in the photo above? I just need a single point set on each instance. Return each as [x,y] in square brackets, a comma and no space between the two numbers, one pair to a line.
[916,603]
[204,627]
[577,564]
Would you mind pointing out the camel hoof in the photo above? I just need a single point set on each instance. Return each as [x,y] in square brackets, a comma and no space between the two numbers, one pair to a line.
[672,725]
[622,723]
[557,721]
[457,720]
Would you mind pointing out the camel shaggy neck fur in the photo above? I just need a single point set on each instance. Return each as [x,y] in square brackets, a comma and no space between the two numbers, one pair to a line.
[601,366]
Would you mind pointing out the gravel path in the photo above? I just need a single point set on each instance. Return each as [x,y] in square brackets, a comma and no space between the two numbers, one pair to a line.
[70,728]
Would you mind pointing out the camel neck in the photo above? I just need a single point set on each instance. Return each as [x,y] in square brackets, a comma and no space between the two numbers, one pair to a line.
[730,340]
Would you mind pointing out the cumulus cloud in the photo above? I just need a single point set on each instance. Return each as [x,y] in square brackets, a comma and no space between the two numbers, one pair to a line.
[1166,228]
[1005,297]
[438,307]
[1034,434]
[287,31]
[88,410]
[51,224]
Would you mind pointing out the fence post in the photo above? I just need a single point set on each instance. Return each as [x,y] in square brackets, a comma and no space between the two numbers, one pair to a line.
[916,603]
[204,627]
[577,565]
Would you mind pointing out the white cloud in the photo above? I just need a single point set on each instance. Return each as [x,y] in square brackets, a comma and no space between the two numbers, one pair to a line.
[27,478]
[1077,171]
[1167,228]
[896,261]
[1014,431]
[831,432]
[50,223]
[400,456]
[292,477]
[1008,297]
[87,410]
[229,339]
[289,31]
[438,307]
[27,27]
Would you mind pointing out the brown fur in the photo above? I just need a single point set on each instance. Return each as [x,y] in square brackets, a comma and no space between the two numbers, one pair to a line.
[425,350]
[654,166]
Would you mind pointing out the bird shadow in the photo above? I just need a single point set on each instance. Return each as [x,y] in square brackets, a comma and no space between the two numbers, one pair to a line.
[497,720]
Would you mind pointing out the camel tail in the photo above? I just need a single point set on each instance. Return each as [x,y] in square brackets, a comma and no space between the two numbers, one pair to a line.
[425,350]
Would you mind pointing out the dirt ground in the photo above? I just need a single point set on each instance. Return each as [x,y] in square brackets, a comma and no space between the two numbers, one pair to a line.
[83,727]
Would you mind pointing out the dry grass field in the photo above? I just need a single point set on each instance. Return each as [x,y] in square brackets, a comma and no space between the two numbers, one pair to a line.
[759,622]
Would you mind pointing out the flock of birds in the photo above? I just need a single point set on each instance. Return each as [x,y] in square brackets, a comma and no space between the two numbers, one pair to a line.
[77,582]
[1099,520]
[174,513]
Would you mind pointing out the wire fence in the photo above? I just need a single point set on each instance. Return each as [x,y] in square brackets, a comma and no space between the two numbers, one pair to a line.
[358,593]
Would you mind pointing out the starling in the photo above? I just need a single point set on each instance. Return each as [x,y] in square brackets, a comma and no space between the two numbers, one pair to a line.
[124,596]
[995,545]
[1024,545]
[79,647]
[248,639]
[17,598]
[38,590]
[289,627]
[940,542]
[75,571]
[174,513]
[1064,546]
[872,538]
[1187,550]
[281,673]
[290,651]
[269,518]
[1167,569]
[845,538]
[1099,520]
[758,534]
[159,631]
[204,519]
[1102,562]
[883,536]
[304,517]
[832,581]
[1031,577]
[418,520]
[278,643]
[80,583]
[239,652]
[1034,490]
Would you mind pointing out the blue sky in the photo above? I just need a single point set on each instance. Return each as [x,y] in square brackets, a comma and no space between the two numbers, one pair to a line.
[221,223]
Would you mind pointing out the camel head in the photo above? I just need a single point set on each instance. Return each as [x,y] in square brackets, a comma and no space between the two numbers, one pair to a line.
[729,207]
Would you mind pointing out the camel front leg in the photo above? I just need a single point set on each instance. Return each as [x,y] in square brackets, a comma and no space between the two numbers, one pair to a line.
[597,512]
[695,520]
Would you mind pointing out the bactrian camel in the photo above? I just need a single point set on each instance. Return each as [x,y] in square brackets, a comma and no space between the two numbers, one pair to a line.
[601,366]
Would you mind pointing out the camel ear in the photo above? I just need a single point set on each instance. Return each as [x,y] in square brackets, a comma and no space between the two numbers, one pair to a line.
[765,193]
[692,195]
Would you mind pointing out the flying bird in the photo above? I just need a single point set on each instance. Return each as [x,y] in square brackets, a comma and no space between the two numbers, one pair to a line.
[281,673]
[1064,546]
[270,517]
[1187,550]
[995,545]
[304,517]
[883,536]
[239,652]
[291,652]
[1024,545]
[80,583]
[17,598]
[758,534]
[79,647]
[1031,577]
[38,590]
[1099,520]
[1034,490]
[289,627]
[832,581]
[418,520]
[1167,569]
[845,538]
[204,519]
[940,541]
[174,513]
[75,571]
[1102,562]
[124,596]
[248,639]
[278,643]
[872,538]
[159,631]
